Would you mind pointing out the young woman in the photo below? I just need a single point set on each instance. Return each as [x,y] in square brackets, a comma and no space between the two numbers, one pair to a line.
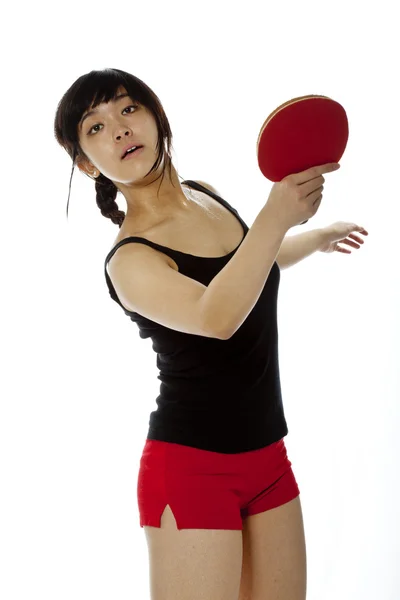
[217,497]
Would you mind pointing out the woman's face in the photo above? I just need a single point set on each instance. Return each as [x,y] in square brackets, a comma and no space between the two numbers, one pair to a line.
[105,132]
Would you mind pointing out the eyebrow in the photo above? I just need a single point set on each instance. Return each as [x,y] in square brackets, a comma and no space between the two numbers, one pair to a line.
[94,111]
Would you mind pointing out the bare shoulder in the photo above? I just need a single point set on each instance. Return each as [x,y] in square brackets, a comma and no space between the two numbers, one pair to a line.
[130,254]
[208,186]
[145,284]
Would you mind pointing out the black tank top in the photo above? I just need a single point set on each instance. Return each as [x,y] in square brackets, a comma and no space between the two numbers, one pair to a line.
[217,395]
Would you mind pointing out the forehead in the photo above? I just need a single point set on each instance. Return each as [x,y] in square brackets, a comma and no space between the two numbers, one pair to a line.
[120,93]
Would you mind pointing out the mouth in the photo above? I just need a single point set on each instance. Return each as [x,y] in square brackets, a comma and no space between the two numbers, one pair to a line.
[129,153]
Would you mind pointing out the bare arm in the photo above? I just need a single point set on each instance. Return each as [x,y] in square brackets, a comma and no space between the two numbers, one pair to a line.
[232,294]
[148,284]
[297,247]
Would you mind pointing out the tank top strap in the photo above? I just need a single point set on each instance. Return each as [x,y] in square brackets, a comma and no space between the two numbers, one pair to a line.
[201,188]
[130,239]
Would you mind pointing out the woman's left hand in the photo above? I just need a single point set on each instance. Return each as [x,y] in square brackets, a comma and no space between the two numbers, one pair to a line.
[341,233]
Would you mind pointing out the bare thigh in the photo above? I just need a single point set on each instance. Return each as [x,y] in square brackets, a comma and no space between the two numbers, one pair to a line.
[274,555]
[193,564]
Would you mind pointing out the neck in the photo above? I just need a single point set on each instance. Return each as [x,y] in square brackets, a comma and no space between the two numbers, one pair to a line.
[153,201]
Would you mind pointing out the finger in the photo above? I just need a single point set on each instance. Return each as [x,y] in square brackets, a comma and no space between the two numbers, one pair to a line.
[343,250]
[350,243]
[319,190]
[314,172]
[310,187]
[357,228]
[355,237]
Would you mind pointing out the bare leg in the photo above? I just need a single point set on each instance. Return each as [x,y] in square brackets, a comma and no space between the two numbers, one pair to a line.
[274,555]
[193,564]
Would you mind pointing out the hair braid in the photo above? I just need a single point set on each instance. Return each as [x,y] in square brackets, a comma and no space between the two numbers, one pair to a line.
[106,193]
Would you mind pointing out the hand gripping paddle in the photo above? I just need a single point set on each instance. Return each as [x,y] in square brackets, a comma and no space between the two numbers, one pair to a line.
[302,133]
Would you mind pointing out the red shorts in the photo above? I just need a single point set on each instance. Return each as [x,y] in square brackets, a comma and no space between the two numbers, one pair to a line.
[211,490]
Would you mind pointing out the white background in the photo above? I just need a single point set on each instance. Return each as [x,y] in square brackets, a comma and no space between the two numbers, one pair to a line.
[78,384]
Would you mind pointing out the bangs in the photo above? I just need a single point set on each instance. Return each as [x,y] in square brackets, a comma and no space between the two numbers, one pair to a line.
[92,89]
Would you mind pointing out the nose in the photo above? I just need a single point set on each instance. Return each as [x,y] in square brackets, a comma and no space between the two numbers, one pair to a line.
[126,133]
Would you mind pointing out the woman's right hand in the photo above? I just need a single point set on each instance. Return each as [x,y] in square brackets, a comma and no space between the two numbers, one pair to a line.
[297,197]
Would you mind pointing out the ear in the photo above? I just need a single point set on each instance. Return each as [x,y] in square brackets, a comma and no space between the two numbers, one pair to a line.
[85,166]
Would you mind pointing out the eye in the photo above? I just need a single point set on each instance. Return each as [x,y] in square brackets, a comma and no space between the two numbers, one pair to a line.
[97,124]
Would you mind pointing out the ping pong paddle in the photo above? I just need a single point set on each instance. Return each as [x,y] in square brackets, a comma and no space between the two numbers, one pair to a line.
[304,132]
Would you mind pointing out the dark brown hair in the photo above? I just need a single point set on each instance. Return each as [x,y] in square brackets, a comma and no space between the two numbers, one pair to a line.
[90,90]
